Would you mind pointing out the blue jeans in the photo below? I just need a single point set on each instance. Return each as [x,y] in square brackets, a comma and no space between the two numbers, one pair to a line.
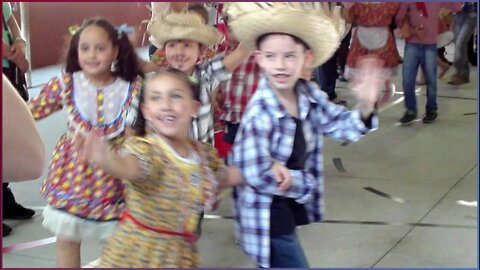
[286,252]
[464,26]
[416,55]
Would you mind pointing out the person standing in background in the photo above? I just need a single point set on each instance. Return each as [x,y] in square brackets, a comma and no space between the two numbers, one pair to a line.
[421,22]
[463,29]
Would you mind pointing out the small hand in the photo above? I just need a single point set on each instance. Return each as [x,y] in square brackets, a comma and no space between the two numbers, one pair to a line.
[444,14]
[281,175]
[92,148]
[17,56]
[369,81]
[419,31]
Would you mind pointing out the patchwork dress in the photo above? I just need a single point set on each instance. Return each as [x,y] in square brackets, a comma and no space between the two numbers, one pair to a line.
[81,195]
[158,227]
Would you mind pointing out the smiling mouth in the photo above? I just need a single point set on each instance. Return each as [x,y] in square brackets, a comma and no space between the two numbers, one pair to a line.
[281,77]
[93,64]
[167,119]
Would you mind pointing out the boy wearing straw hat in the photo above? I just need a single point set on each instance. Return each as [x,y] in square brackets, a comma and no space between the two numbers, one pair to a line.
[285,121]
[184,37]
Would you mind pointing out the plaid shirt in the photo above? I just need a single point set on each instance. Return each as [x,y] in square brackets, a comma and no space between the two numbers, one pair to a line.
[238,90]
[210,74]
[267,133]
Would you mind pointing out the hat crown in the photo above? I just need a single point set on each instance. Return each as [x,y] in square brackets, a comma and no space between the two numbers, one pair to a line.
[234,10]
[182,19]
[319,24]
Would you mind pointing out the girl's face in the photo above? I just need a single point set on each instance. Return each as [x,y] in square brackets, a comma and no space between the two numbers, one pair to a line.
[182,54]
[169,106]
[96,52]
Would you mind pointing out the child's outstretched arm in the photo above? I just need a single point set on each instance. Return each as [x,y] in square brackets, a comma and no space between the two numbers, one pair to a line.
[235,58]
[368,84]
[94,148]
[48,101]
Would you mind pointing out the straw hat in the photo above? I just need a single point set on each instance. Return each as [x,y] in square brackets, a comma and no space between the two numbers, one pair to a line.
[312,22]
[173,26]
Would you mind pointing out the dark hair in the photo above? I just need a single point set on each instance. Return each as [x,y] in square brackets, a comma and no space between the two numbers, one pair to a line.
[296,39]
[201,10]
[127,66]
[139,124]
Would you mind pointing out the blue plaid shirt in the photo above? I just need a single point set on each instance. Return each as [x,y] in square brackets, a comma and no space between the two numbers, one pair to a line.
[267,133]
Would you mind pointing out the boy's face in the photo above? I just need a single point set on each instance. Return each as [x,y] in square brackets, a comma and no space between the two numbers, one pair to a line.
[282,60]
[182,54]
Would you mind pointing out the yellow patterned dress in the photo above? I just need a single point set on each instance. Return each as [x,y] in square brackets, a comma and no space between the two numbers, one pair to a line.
[169,195]
[79,189]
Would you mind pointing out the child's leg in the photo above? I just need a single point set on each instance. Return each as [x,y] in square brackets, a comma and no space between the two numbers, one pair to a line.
[68,253]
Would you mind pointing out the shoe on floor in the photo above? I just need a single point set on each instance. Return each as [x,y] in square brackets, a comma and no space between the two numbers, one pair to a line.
[408,118]
[430,117]
[458,80]
[421,82]
[18,212]
[6,230]
[342,78]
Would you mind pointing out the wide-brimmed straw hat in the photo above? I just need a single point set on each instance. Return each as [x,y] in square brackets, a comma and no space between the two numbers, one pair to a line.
[313,22]
[174,26]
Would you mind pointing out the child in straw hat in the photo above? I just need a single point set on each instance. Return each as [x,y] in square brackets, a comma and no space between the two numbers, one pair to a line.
[185,36]
[285,122]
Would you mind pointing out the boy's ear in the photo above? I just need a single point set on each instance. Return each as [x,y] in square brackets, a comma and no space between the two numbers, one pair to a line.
[258,58]
[309,57]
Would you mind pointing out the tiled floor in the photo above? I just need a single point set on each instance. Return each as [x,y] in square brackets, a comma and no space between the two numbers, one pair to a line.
[427,168]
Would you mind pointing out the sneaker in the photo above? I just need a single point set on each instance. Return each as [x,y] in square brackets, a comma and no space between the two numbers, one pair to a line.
[430,117]
[6,230]
[408,118]
[342,78]
[18,212]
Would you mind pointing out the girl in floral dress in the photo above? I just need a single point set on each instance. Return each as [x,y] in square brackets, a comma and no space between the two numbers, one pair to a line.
[100,82]
[170,178]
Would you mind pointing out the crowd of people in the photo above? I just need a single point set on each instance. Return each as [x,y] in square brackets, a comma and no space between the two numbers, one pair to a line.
[137,166]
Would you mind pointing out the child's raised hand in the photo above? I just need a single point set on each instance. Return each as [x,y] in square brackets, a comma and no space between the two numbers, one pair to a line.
[92,148]
[281,175]
[368,82]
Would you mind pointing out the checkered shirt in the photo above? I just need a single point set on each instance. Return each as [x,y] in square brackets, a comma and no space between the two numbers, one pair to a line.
[210,74]
[267,133]
[238,90]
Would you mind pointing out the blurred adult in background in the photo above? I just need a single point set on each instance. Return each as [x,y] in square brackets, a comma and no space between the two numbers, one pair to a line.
[14,65]
[23,152]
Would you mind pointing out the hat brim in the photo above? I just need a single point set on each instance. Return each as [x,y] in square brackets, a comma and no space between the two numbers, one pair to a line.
[318,32]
